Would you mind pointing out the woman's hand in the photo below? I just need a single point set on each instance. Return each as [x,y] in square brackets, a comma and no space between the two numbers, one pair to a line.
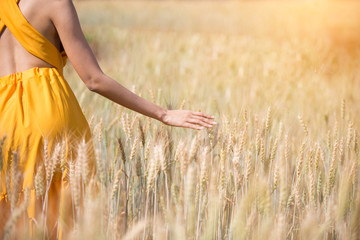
[188,119]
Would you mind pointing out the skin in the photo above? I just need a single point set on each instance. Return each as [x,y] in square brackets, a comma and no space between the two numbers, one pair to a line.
[57,20]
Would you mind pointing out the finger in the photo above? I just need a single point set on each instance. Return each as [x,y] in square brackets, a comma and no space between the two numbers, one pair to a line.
[203,115]
[205,120]
[202,122]
[193,126]
[199,122]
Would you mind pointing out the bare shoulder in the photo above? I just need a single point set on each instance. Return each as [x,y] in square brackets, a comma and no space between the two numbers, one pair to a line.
[55,2]
[62,12]
[63,3]
[59,8]
[46,9]
[51,4]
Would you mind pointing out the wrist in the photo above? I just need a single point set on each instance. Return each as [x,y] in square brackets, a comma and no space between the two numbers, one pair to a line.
[162,114]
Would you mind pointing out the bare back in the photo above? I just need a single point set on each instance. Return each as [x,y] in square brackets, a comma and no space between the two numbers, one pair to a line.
[13,57]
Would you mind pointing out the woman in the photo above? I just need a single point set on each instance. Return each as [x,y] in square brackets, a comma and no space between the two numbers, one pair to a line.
[37,106]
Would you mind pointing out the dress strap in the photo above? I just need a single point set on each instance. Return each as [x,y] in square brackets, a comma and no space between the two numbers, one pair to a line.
[2,25]
[33,41]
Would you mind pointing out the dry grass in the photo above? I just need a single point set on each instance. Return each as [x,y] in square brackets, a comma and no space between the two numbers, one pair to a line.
[283,162]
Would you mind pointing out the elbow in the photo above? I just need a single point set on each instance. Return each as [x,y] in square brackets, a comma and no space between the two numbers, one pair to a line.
[93,82]
[91,87]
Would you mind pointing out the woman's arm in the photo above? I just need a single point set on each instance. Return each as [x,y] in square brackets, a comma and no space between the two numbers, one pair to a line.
[66,21]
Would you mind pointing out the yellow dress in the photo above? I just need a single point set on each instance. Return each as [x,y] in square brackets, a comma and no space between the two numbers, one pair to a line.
[37,105]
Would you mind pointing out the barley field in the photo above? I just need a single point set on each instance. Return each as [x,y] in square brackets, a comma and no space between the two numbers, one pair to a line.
[282,79]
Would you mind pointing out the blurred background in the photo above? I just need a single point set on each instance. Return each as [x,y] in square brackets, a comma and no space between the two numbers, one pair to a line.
[282,79]
[299,57]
